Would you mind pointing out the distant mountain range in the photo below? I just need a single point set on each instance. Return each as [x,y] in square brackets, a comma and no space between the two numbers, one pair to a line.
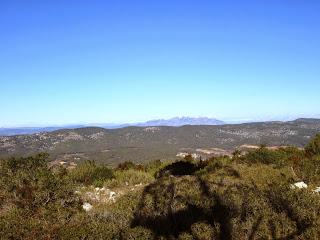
[182,121]
[172,122]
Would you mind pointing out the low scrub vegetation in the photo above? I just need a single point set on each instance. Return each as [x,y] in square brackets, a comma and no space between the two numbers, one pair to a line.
[128,178]
[313,147]
[247,196]
[89,173]
[36,202]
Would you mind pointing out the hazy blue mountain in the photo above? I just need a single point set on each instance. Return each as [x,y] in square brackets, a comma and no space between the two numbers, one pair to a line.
[172,122]
[181,121]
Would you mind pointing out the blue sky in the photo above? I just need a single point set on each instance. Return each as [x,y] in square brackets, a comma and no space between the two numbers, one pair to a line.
[95,61]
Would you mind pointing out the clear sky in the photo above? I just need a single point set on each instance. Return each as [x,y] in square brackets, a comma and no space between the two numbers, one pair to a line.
[81,61]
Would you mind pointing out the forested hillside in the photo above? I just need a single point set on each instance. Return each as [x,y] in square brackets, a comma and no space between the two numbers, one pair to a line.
[142,144]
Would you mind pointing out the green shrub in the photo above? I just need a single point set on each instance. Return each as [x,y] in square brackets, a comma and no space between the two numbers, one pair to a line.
[265,156]
[213,164]
[153,166]
[308,169]
[89,173]
[36,202]
[313,147]
[129,177]
[130,165]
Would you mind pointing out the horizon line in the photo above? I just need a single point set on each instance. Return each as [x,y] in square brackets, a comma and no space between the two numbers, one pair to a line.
[225,120]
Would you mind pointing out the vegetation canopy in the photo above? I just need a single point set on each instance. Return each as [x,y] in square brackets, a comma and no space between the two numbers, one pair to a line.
[247,196]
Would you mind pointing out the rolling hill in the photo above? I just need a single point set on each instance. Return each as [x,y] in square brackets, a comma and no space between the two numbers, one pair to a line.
[174,122]
[142,144]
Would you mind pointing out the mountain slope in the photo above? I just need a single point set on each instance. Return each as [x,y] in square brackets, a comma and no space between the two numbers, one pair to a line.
[147,143]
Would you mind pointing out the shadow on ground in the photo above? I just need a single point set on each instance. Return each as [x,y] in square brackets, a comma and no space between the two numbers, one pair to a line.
[167,212]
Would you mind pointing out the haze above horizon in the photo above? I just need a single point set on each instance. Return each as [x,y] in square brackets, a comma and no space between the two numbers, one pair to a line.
[65,62]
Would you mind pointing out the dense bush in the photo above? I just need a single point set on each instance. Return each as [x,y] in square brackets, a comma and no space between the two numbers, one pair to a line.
[308,169]
[154,166]
[265,156]
[280,157]
[130,165]
[212,164]
[35,201]
[89,173]
[313,147]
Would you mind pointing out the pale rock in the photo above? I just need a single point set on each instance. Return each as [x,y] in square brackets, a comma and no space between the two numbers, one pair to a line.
[299,185]
[87,207]
[317,190]
[112,194]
